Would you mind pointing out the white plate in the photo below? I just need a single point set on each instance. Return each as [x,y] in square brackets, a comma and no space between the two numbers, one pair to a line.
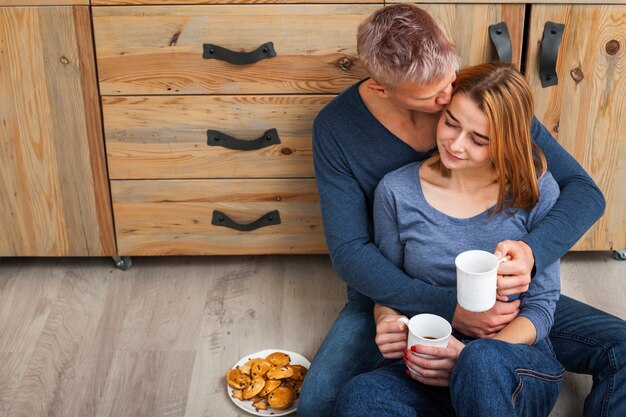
[246,405]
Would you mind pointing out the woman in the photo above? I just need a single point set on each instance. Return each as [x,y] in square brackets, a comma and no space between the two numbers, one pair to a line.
[486,183]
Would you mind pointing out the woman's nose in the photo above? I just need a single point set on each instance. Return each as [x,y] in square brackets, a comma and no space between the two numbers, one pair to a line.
[456,143]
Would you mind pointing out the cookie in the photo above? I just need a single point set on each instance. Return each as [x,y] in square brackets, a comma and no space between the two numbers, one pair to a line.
[278,359]
[236,379]
[281,398]
[238,394]
[259,405]
[246,367]
[296,386]
[299,372]
[260,368]
[270,385]
[280,372]
[254,388]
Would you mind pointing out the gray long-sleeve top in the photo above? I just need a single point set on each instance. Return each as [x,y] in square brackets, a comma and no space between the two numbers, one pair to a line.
[424,241]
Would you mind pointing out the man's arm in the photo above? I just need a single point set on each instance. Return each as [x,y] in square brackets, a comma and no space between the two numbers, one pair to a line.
[355,258]
[578,207]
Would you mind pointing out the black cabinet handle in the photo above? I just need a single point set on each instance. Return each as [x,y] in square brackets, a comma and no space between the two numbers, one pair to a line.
[269,219]
[217,138]
[211,51]
[552,34]
[499,34]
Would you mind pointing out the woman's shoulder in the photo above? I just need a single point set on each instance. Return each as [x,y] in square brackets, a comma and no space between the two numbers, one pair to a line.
[404,173]
[548,187]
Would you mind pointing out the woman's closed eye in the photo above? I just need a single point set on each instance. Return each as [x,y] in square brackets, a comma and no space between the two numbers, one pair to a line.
[474,140]
[447,123]
[477,143]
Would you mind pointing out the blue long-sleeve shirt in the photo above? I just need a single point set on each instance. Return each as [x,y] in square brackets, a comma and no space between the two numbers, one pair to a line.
[424,241]
[352,151]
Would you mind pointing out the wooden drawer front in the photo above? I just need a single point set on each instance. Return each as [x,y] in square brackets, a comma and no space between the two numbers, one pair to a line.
[158,49]
[166,137]
[183,2]
[173,217]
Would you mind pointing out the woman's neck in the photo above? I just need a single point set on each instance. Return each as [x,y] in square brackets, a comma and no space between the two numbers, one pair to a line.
[470,180]
[464,194]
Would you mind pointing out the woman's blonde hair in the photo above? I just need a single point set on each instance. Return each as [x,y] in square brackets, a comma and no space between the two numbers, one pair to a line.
[401,43]
[504,95]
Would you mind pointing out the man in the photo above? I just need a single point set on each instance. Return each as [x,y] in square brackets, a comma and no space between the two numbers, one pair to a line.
[388,121]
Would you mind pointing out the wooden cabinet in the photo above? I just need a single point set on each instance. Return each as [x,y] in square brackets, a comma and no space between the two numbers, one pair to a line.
[187,128]
[586,111]
[54,198]
[162,96]
[208,155]
[467,25]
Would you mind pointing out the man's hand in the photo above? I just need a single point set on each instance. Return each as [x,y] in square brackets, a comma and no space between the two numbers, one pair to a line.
[391,334]
[488,323]
[436,370]
[514,275]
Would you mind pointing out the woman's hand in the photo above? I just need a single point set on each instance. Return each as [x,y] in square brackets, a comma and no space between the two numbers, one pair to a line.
[391,334]
[436,370]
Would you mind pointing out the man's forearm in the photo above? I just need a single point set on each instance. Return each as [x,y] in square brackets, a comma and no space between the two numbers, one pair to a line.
[367,271]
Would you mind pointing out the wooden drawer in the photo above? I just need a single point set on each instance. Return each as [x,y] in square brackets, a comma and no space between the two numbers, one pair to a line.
[184,2]
[174,217]
[166,136]
[159,49]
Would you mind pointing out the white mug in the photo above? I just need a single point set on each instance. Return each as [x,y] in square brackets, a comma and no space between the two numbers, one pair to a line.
[477,279]
[428,330]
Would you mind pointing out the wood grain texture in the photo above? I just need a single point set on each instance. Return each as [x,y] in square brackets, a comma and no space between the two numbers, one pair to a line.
[166,217]
[30,3]
[158,50]
[586,111]
[594,2]
[185,2]
[182,2]
[467,25]
[55,199]
[87,362]
[166,137]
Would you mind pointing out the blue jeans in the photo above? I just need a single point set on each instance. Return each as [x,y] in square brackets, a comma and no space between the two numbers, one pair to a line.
[585,340]
[490,378]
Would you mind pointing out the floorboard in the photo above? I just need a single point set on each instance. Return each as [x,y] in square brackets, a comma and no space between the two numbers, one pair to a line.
[79,338]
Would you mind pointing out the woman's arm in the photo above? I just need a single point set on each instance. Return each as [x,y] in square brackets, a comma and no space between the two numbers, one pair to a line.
[520,330]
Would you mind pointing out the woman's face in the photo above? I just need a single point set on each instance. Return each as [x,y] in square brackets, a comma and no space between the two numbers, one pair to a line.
[463,135]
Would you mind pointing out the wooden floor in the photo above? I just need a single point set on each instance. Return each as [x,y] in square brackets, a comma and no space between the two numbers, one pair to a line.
[79,338]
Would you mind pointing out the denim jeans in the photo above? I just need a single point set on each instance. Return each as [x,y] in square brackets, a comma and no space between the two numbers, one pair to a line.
[585,340]
[490,378]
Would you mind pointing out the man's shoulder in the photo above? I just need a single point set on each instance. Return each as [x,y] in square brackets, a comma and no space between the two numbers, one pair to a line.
[341,108]
[402,176]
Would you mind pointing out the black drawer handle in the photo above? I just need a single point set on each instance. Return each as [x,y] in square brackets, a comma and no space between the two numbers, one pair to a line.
[552,34]
[269,219]
[211,51]
[217,138]
[499,34]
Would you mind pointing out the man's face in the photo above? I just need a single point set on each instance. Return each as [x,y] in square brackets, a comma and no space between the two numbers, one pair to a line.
[427,98]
